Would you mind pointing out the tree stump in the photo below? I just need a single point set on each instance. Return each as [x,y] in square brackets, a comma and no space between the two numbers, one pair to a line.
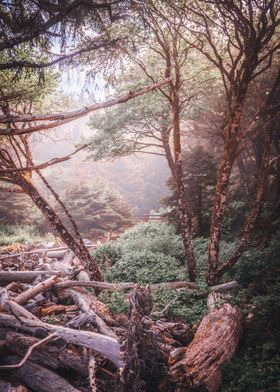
[198,366]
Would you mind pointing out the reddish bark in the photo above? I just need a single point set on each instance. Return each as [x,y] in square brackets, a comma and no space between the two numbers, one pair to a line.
[216,340]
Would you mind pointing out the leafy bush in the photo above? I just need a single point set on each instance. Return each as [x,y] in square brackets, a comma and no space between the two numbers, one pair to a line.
[153,253]
[146,253]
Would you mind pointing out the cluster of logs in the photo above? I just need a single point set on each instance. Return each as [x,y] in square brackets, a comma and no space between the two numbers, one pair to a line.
[56,335]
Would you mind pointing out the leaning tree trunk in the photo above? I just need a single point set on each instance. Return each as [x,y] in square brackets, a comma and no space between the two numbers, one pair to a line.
[198,366]
[53,219]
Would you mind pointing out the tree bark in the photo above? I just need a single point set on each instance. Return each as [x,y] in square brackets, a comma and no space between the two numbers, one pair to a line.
[197,367]
[105,345]
[50,355]
[40,379]
[184,206]
[143,368]
[255,209]
[232,139]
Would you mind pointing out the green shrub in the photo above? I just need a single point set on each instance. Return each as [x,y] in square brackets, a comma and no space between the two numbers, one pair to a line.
[153,253]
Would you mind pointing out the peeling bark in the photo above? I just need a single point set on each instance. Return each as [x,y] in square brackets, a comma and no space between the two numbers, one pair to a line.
[197,367]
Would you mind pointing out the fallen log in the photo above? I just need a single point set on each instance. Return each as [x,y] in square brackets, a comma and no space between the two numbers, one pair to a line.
[24,276]
[131,285]
[41,287]
[52,356]
[85,302]
[198,366]
[40,379]
[42,250]
[105,345]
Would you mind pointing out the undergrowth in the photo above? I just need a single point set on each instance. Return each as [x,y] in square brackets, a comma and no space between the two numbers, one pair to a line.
[11,234]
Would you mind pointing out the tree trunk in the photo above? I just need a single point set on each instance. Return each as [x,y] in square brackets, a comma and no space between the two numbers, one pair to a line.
[197,367]
[80,251]
[184,206]
[255,209]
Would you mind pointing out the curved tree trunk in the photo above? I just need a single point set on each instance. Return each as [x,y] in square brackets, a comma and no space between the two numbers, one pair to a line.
[197,367]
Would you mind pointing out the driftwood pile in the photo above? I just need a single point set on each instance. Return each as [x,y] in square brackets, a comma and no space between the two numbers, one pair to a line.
[56,335]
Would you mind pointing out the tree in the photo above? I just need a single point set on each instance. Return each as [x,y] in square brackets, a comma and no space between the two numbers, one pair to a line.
[249,45]
[156,129]
[97,209]
[68,23]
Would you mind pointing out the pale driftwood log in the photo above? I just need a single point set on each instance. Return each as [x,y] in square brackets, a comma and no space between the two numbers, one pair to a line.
[86,304]
[40,379]
[225,286]
[131,285]
[14,308]
[42,250]
[105,345]
[24,276]
[197,367]
[33,291]
[95,284]
[51,356]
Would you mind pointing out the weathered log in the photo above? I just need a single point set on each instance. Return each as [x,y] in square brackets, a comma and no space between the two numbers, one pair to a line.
[14,308]
[86,304]
[24,276]
[40,379]
[57,309]
[36,251]
[33,291]
[131,285]
[92,371]
[51,356]
[197,367]
[105,345]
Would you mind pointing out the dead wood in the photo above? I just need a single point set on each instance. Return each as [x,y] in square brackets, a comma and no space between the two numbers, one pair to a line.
[143,366]
[105,345]
[57,309]
[28,353]
[197,367]
[86,304]
[38,289]
[52,355]
[24,276]
[131,285]
[7,387]
[40,379]
[91,371]
[46,251]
